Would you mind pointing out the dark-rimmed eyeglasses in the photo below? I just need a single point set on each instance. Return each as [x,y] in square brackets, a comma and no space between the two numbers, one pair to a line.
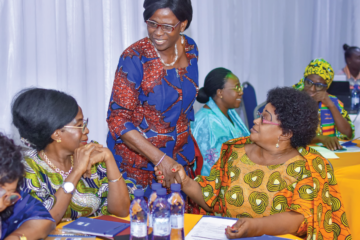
[165,27]
[263,120]
[83,127]
[318,86]
[9,199]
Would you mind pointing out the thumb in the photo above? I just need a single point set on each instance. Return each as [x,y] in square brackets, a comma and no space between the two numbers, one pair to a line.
[155,169]
[176,168]
[238,224]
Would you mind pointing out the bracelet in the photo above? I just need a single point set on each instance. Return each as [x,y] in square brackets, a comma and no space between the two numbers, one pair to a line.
[22,237]
[162,158]
[115,180]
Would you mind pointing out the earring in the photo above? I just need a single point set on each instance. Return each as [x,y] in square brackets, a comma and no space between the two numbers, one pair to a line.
[220,96]
[58,140]
[182,38]
[277,145]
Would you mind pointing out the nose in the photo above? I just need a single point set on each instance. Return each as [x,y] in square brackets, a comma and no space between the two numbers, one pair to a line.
[159,31]
[241,93]
[257,121]
[87,131]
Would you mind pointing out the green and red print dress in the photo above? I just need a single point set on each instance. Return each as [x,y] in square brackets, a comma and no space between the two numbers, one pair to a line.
[158,103]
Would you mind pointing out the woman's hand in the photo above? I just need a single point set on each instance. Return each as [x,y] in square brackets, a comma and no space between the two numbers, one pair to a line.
[169,176]
[323,96]
[244,227]
[179,169]
[331,143]
[82,157]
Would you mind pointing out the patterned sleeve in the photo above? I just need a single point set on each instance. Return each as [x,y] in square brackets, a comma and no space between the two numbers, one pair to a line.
[345,115]
[100,170]
[125,94]
[316,196]
[35,184]
[214,186]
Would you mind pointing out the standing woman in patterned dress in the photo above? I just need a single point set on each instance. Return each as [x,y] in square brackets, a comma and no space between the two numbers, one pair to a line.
[151,105]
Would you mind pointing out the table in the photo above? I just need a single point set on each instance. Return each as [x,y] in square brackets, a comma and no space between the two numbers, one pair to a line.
[190,221]
[347,174]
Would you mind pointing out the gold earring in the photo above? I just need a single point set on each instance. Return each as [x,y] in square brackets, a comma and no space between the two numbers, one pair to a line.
[58,140]
[277,145]
[220,96]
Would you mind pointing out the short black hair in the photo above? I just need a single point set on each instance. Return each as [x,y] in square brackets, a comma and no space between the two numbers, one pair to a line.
[215,80]
[182,9]
[11,167]
[297,112]
[38,112]
[349,50]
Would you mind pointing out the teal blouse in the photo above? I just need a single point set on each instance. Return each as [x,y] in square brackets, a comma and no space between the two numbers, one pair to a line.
[211,129]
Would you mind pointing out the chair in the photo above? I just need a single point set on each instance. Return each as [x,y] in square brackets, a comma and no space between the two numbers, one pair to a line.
[259,108]
[249,100]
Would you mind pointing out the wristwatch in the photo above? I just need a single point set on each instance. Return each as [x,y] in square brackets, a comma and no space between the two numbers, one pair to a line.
[68,187]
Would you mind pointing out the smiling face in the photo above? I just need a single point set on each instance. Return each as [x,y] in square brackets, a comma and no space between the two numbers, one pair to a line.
[265,134]
[163,40]
[231,94]
[316,79]
[72,138]
[6,190]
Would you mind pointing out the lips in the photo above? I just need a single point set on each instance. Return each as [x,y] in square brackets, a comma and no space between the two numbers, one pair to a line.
[159,41]
[84,141]
[253,130]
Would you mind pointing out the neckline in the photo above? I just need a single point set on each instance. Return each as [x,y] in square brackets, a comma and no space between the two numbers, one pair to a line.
[187,50]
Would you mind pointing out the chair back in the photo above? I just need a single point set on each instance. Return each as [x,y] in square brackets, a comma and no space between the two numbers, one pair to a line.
[249,100]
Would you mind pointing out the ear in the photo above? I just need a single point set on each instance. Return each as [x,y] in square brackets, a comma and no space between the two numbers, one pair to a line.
[56,135]
[286,136]
[219,93]
[183,25]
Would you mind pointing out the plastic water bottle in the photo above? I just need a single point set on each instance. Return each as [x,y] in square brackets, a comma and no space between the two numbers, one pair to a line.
[152,198]
[355,99]
[177,209]
[138,216]
[161,216]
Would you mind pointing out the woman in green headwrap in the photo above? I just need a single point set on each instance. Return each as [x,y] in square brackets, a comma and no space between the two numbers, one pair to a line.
[335,123]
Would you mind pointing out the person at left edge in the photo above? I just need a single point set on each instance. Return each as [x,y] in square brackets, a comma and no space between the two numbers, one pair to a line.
[21,215]
[72,178]
[151,105]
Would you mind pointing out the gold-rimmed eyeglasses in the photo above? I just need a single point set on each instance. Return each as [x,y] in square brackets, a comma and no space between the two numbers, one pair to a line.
[83,127]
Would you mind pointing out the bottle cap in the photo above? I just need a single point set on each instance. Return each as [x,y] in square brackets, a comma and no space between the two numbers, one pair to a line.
[161,192]
[175,187]
[155,186]
[139,193]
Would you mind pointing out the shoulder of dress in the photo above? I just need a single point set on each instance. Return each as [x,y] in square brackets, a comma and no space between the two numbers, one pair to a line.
[141,48]
[237,141]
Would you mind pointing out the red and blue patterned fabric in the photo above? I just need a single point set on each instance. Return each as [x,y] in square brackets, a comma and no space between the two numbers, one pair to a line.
[27,208]
[158,103]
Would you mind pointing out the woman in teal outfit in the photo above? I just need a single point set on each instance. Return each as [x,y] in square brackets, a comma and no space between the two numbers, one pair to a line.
[217,122]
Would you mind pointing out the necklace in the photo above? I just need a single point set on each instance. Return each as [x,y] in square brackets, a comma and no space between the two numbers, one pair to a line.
[166,64]
[62,173]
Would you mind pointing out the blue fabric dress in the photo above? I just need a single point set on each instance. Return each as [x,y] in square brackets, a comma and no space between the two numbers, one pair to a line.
[211,129]
[156,102]
[27,208]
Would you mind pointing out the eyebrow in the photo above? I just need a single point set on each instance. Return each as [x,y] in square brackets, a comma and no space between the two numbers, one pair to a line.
[269,113]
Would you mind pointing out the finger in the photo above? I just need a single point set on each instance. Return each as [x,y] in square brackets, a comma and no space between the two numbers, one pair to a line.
[168,183]
[238,223]
[232,233]
[176,168]
[156,168]
[333,145]
[338,145]
[160,177]
[158,173]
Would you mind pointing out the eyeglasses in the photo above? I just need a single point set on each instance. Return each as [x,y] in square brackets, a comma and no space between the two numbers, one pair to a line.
[9,199]
[260,115]
[83,127]
[318,86]
[238,88]
[165,27]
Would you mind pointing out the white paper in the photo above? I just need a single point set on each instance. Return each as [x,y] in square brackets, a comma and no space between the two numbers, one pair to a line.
[326,153]
[210,228]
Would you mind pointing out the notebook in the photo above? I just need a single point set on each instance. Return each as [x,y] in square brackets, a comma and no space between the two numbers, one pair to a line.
[95,227]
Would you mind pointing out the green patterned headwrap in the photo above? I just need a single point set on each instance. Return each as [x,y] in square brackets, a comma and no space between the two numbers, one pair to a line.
[318,67]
